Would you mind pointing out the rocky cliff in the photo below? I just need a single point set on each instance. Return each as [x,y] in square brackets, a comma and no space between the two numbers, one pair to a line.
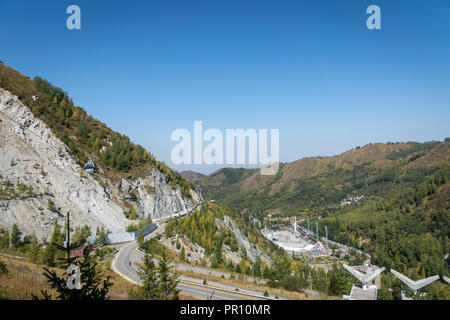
[37,171]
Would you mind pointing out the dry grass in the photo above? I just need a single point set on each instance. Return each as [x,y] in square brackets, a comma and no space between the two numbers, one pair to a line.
[25,278]
[257,287]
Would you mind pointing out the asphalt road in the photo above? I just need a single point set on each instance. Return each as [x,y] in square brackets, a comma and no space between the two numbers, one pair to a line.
[125,265]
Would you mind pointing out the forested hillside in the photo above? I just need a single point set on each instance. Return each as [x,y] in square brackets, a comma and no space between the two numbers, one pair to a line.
[390,200]
[408,230]
[86,138]
[221,232]
[372,171]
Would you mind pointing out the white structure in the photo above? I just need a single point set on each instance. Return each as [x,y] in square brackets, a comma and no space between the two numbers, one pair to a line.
[366,278]
[295,224]
[446,279]
[414,285]
[358,293]
[291,242]
[366,291]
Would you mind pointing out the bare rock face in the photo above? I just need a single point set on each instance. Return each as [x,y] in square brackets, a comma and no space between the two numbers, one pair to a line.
[195,254]
[251,249]
[124,185]
[158,199]
[31,155]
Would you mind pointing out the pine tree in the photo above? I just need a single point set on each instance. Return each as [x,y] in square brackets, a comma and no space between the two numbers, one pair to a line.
[51,249]
[217,257]
[100,236]
[35,250]
[148,273]
[167,282]
[182,254]
[4,242]
[339,282]
[15,237]
[92,285]
[51,205]
[141,238]
[3,269]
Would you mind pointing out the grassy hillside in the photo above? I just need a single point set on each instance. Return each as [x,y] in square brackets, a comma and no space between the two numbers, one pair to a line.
[372,171]
[192,175]
[407,230]
[402,219]
[86,138]
[201,228]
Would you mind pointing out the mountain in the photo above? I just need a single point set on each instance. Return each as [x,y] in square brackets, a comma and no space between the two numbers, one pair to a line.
[232,241]
[192,175]
[389,200]
[45,141]
[372,171]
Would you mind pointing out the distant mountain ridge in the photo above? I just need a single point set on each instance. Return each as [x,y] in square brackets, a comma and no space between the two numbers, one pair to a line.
[389,200]
[192,175]
[322,181]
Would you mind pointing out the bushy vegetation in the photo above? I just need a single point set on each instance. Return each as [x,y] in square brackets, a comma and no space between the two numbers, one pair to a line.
[400,231]
[414,148]
[9,191]
[140,225]
[84,135]
[300,276]
[159,283]
[201,228]
[338,178]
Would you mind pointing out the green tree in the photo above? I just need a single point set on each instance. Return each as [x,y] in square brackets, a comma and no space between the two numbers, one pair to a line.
[35,251]
[149,276]
[4,242]
[100,236]
[3,269]
[93,287]
[384,294]
[140,239]
[80,235]
[167,281]
[182,254]
[15,237]
[51,205]
[83,130]
[340,283]
[257,267]
[50,252]
[217,258]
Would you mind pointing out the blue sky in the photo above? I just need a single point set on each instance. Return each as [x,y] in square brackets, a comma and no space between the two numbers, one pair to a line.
[309,68]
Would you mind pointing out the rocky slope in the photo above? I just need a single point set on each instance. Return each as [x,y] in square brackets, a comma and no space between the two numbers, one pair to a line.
[195,254]
[35,167]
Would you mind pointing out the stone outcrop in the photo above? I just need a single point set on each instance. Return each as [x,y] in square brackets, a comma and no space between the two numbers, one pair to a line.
[32,155]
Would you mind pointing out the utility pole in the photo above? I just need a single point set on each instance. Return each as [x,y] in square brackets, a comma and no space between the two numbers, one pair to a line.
[207,271]
[68,236]
[326,234]
[310,284]
[307,221]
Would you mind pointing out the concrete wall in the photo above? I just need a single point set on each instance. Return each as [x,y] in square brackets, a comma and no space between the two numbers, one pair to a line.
[119,237]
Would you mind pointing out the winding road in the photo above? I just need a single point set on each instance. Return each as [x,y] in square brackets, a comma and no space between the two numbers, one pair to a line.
[124,263]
